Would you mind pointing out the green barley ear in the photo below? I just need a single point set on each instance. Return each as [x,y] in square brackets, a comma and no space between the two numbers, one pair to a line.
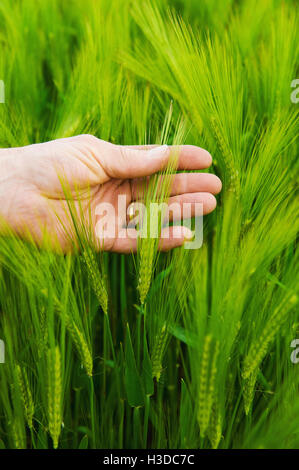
[95,277]
[158,353]
[215,428]
[207,377]
[81,345]
[81,233]
[227,156]
[249,390]
[43,338]
[18,433]
[259,348]
[156,192]
[26,395]
[77,338]
[17,422]
[54,395]
[147,253]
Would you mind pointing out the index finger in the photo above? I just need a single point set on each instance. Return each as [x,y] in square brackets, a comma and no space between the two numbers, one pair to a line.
[190,156]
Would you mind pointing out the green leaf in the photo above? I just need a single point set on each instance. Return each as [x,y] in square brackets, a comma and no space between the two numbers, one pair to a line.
[85,430]
[42,438]
[157,282]
[135,394]
[183,335]
[84,442]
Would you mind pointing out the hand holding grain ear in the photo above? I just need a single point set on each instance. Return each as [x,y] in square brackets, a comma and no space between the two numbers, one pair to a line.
[32,198]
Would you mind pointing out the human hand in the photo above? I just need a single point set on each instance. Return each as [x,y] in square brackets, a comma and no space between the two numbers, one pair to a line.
[32,198]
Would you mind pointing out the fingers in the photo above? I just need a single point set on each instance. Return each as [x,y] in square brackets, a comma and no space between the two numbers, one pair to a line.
[193,158]
[190,157]
[182,183]
[127,163]
[171,237]
[134,162]
[195,182]
[178,208]
[200,204]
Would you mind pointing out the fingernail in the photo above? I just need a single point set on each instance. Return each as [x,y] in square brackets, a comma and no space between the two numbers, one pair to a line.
[131,211]
[179,232]
[209,158]
[158,152]
[188,234]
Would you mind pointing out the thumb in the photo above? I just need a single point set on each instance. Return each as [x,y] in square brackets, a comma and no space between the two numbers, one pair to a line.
[126,162]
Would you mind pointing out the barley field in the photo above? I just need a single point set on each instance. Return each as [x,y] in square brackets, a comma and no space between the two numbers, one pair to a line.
[185,349]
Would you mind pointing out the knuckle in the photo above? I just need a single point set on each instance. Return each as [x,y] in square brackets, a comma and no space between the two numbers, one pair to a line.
[88,138]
